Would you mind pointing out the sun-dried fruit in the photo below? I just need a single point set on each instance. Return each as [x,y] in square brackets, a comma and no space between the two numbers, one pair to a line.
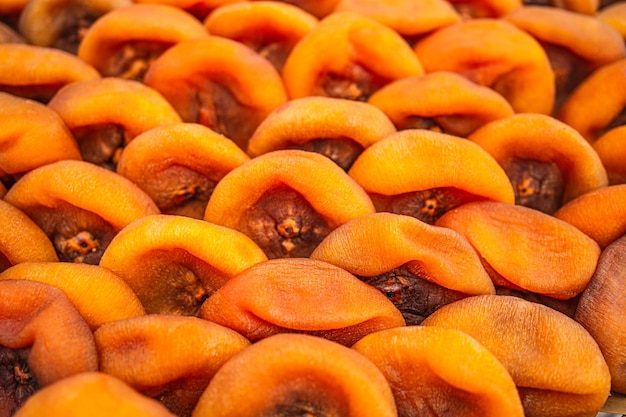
[337,128]
[215,81]
[297,375]
[555,363]
[441,101]
[169,358]
[105,114]
[300,296]
[423,174]
[178,165]
[271,28]
[173,263]
[287,201]
[437,371]
[417,266]
[80,206]
[125,41]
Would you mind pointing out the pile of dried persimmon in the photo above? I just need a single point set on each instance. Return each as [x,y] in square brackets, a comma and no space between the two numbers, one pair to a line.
[312,208]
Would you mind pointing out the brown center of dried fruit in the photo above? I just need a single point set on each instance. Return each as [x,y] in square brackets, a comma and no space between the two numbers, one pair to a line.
[133,59]
[427,205]
[537,184]
[415,296]
[101,144]
[343,152]
[76,22]
[17,382]
[180,190]
[78,236]
[284,225]
[356,84]
[217,108]
[427,123]
[569,71]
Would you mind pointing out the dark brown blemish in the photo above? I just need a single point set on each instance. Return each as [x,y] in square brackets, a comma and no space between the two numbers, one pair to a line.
[537,184]
[412,294]
[355,84]
[341,151]
[17,382]
[101,144]
[426,205]
[284,224]
[134,58]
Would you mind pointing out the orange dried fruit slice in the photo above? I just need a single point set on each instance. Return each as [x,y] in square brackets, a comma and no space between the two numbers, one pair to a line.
[146,353]
[66,21]
[95,394]
[125,41]
[43,339]
[337,128]
[80,206]
[215,82]
[179,164]
[422,173]
[419,103]
[107,113]
[541,348]
[287,201]
[92,111]
[494,53]
[348,55]
[296,374]
[612,152]
[599,310]
[173,263]
[410,18]
[32,135]
[600,214]
[597,104]
[271,28]
[419,267]
[285,295]
[99,295]
[437,371]
[38,72]
[548,162]
[526,250]
[576,43]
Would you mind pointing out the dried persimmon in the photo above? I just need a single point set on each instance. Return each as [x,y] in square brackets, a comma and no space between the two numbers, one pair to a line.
[285,296]
[423,173]
[105,114]
[419,267]
[215,81]
[442,101]
[271,28]
[173,263]
[146,353]
[125,41]
[297,375]
[337,128]
[179,164]
[287,201]
[556,365]
[99,295]
[437,371]
[43,339]
[548,162]
[72,202]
